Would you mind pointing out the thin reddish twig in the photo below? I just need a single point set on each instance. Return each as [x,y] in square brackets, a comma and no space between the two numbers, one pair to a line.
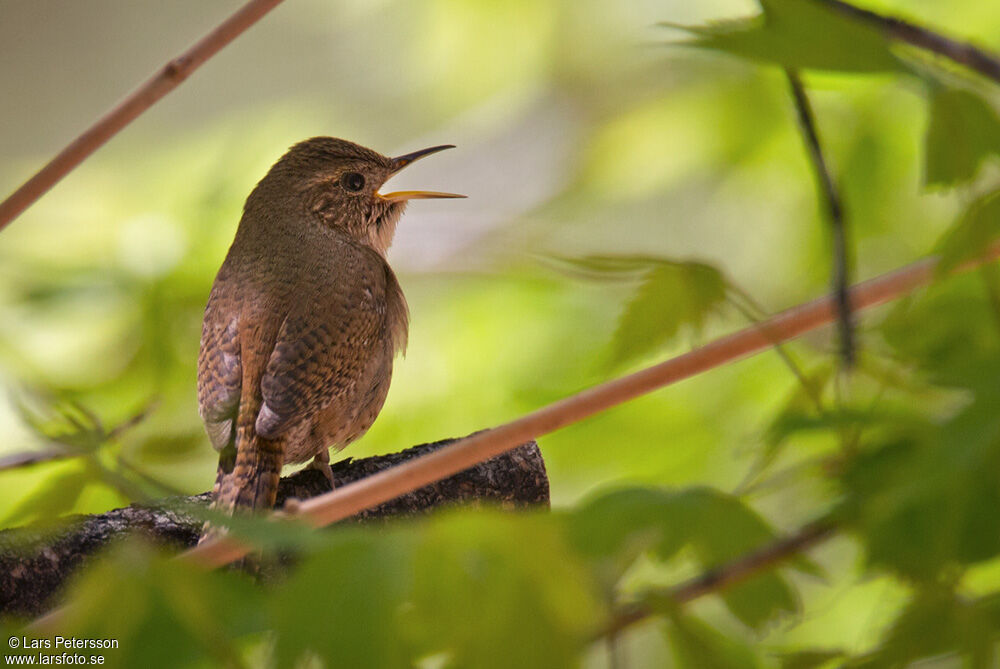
[164,81]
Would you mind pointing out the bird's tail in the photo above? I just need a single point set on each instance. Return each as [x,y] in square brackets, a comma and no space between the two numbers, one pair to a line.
[249,471]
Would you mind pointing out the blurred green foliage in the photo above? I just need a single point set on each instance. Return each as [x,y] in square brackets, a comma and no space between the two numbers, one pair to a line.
[672,296]
[676,177]
[962,133]
[801,35]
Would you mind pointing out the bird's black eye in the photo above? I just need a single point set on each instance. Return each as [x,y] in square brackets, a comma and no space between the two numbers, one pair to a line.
[352,181]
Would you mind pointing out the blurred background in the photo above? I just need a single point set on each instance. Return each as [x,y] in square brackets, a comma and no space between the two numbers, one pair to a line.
[580,131]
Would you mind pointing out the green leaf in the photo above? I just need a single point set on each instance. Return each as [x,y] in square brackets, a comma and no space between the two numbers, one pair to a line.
[934,624]
[615,528]
[461,585]
[972,235]
[497,591]
[923,500]
[800,35]
[620,525]
[699,646]
[726,530]
[989,607]
[345,603]
[162,612]
[924,503]
[810,659]
[949,334]
[963,131]
[606,267]
[883,397]
[790,423]
[673,295]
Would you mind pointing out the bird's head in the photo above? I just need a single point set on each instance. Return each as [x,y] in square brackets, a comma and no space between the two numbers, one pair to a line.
[338,182]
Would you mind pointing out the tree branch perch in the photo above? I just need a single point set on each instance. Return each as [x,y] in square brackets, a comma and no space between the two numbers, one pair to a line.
[34,563]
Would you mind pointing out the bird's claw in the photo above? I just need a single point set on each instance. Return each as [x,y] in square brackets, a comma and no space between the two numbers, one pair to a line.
[321,463]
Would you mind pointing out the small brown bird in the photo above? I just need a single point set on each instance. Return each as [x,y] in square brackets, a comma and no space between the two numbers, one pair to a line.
[304,319]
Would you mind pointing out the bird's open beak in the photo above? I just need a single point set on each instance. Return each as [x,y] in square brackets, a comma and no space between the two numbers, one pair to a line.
[400,162]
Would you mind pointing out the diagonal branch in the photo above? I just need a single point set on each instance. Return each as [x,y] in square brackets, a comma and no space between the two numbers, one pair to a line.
[834,211]
[727,575]
[386,485]
[144,97]
[972,57]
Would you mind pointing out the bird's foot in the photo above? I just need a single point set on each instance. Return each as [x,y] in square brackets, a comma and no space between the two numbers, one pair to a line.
[322,463]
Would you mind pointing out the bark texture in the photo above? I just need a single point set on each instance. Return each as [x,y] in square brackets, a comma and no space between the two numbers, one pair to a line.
[34,562]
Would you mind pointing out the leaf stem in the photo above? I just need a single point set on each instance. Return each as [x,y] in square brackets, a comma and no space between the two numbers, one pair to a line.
[779,348]
[834,208]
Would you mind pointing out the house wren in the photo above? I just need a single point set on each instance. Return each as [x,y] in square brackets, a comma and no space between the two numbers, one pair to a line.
[304,318]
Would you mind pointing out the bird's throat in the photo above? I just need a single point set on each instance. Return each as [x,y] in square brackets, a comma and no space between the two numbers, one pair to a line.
[381,227]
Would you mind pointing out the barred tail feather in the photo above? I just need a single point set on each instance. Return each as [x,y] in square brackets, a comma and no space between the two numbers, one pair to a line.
[248,477]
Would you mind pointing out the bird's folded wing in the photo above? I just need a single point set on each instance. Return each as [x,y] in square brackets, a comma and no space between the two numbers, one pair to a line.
[323,346]
[219,371]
